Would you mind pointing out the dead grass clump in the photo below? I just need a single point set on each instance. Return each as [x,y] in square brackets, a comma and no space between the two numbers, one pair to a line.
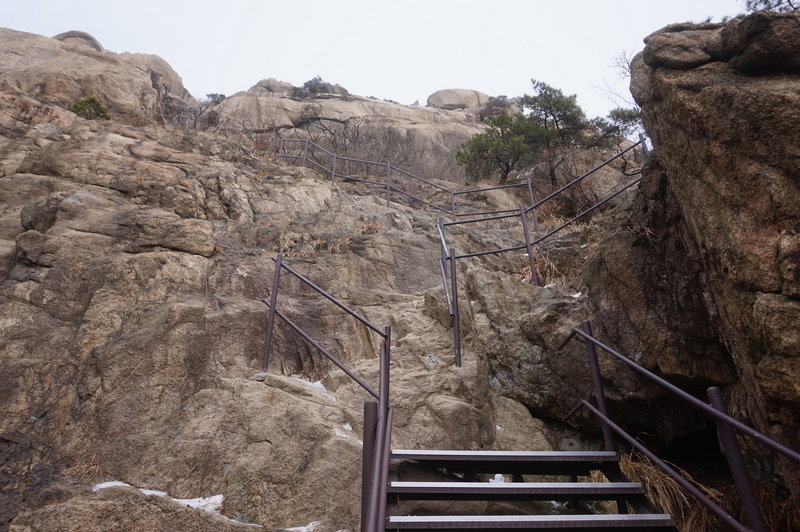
[369,228]
[86,467]
[308,246]
[546,270]
[663,491]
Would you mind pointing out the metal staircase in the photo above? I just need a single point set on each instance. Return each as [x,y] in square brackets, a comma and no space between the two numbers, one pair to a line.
[465,473]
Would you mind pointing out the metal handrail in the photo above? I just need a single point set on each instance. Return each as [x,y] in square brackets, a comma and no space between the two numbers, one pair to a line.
[522,213]
[708,410]
[584,176]
[716,410]
[377,418]
[307,158]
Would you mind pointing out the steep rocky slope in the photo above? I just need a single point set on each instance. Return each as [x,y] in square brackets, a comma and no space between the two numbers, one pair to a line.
[134,256]
[134,260]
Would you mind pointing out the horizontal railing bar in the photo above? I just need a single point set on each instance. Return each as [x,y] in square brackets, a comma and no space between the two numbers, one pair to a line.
[688,486]
[315,145]
[581,178]
[360,180]
[401,191]
[324,351]
[409,174]
[710,411]
[362,161]
[291,156]
[489,219]
[332,299]
[490,252]
[503,211]
[312,161]
[294,140]
[587,211]
[489,188]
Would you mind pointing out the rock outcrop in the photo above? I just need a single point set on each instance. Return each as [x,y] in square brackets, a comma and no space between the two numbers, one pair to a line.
[710,246]
[452,99]
[133,261]
[421,140]
[136,88]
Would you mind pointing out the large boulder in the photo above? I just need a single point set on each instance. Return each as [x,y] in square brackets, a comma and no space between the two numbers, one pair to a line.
[452,99]
[718,216]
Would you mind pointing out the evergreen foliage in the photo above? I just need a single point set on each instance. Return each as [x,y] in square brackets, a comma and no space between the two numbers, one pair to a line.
[781,6]
[552,123]
[90,109]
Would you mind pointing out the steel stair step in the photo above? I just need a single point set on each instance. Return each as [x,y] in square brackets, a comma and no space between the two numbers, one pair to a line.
[514,490]
[522,462]
[540,522]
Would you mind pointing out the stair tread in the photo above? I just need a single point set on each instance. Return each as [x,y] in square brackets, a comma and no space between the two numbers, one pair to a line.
[533,521]
[506,456]
[555,488]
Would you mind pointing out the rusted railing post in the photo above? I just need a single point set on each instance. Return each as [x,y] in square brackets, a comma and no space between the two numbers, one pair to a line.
[594,367]
[388,183]
[531,261]
[530,191]
[273,301]
[333,169]
[367,457]
[643,142]
[744,486]
[454,296]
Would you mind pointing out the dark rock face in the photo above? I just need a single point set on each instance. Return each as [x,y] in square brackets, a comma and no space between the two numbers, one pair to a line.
[722,106]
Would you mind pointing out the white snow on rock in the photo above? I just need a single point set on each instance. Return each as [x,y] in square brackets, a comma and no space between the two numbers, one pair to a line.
[213,504]
[308,528]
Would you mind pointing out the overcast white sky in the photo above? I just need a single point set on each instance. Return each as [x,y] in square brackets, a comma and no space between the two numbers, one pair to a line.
[400,50]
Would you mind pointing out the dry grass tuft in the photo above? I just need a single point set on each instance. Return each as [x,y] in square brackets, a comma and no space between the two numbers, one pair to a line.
[669,496]
[87,467]
[546,270]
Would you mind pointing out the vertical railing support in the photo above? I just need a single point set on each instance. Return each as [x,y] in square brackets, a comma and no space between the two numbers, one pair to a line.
[454,296]
[733,454]
[594,367]
[530,191]
[645,149]
[280,146]
[305,152]
[531,261]
[273,301]
[367,457]
[453,205]
[333,169]
[388,183]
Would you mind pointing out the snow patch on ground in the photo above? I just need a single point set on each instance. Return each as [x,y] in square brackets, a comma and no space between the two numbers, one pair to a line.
[308,528]
[212,504]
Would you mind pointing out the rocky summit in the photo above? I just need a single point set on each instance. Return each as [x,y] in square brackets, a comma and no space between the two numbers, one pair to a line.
[136,252]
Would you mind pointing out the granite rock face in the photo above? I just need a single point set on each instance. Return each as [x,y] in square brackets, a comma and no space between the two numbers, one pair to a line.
[133,262]
[720,103]
[136,88]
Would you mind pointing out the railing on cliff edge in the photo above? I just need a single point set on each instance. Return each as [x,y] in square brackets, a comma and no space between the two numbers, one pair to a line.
[377,415]
[716,409]
[448,258]
[314,155]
